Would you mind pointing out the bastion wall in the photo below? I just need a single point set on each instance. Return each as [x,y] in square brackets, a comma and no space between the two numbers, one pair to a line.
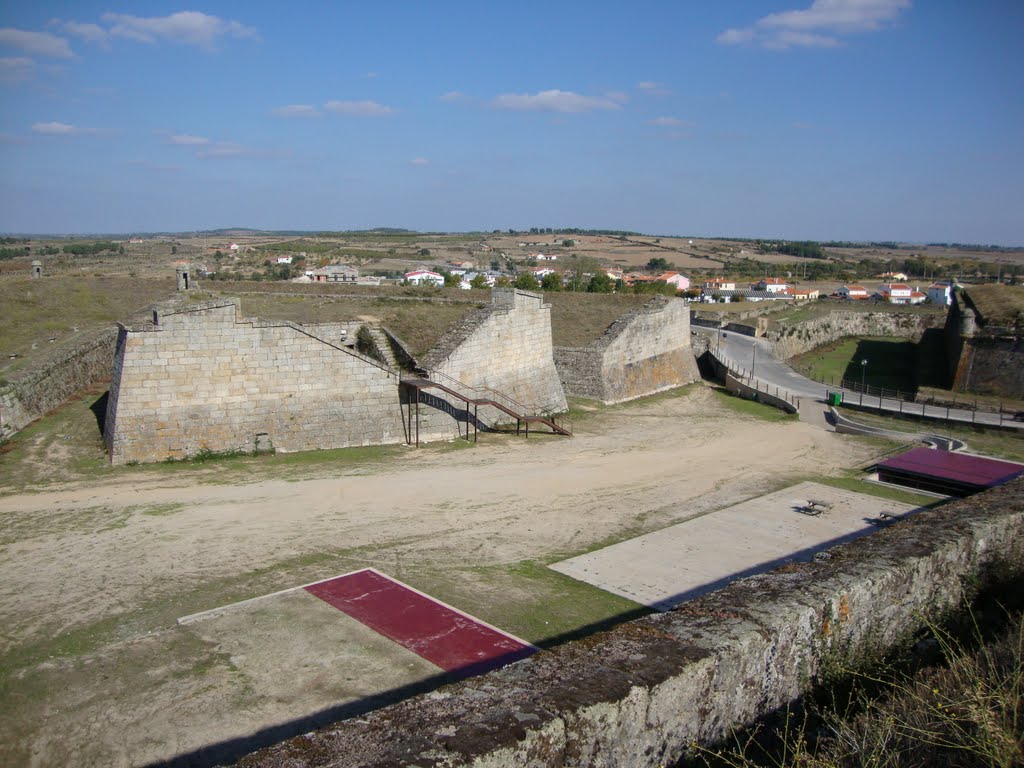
[796,339]
[34,392]
[199,378]
[983,356]
[645,351]
[505,346]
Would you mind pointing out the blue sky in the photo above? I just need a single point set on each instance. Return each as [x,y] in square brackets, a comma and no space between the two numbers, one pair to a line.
[831,119]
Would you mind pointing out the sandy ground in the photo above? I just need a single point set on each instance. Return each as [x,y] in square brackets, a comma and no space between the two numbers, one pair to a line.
[92,578]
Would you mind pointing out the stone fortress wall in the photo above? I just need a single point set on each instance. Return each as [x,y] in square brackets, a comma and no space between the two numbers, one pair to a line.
[796,339]
[983,355]
[505,346]
[643,352]
[34,392]
[200,378]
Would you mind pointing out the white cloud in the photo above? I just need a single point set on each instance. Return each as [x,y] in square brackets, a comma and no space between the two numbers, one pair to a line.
[452,96]
[14,69]
[358,108]
[38,43]
[62,129]
[818,26]
[91,33]
[225,149]
[552,101]
[651,88]
[296,110]
[671,122]
[419,162]
[617,96]
[187,140]
[184,27]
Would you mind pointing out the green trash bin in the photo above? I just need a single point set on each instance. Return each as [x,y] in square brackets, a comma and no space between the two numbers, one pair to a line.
[835,398]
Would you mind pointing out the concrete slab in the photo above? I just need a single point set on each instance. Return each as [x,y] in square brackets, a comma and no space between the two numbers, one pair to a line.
[668,567]
[296,648]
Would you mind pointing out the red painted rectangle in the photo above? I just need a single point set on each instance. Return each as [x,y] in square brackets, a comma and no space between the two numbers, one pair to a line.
[443,636]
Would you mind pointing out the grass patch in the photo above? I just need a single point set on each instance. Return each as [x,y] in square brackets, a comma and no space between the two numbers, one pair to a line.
[752,408]
[530,600]
[891,362]
[998,443]
[37,310]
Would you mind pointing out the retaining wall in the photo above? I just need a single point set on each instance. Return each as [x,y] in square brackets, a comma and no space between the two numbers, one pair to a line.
[645,351]
[639,694]
[38,390]
[505,346]
[986,359]
[803,337]
[200,378]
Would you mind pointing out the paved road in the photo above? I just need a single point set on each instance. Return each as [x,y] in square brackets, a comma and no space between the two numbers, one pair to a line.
[753,358]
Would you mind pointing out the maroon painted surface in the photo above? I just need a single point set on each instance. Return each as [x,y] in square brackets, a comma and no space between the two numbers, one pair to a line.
[959,467]
[452,641]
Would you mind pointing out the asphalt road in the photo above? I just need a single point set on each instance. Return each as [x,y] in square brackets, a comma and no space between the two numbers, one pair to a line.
[753,358]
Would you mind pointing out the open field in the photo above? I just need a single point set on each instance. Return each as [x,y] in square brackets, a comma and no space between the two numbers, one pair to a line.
[66,307]
[99,562]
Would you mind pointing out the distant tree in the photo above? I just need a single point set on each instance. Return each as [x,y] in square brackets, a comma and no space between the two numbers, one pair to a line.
[452,280]
[479,282]
[658,263]
[174,249]
[503,282]
[601,283]
[568,243]
[526,281]
[552,282]
[424,251]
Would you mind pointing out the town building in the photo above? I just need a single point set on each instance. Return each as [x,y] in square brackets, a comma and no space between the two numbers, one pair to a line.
[857,292]
[424,276]
[771,285]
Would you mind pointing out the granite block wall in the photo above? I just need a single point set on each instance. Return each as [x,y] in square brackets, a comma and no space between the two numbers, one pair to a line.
[507,347]
[199,378]
[643,352]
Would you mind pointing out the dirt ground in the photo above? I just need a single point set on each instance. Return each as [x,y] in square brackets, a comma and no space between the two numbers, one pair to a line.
[95,670]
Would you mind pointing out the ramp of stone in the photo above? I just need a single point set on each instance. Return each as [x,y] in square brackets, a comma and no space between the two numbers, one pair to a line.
[668,567]
[442,635]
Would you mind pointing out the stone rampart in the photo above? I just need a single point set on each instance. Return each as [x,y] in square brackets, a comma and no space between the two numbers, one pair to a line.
[983,356]
[34,392]
[796,339]
[505,346]
[644,351]
[199,378]
[640,693]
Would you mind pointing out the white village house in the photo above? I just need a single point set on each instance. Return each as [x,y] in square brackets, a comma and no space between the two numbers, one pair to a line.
[421,276]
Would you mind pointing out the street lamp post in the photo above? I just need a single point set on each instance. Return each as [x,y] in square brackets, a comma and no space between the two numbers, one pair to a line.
[863,374]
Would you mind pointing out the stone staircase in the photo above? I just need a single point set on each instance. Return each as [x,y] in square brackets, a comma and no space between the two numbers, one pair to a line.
[382,346]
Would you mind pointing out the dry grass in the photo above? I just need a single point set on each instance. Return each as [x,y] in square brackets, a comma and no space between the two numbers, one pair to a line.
[999,304]
[35,311]
[579,318]
[965,712]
